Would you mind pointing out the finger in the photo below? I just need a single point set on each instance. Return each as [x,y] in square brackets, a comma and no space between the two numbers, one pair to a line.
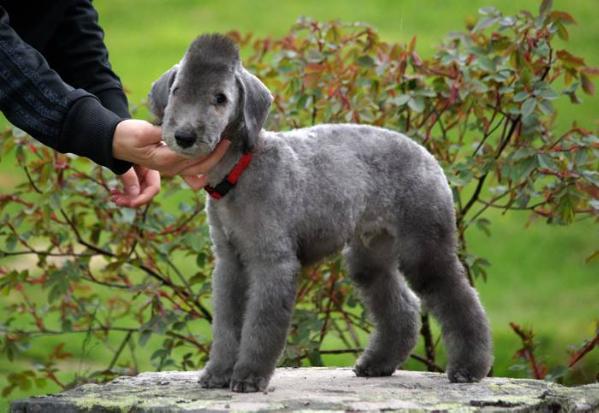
[167,161]
[146,133]
[150,187]
[196,181]
[130,182]
[121,201]
[205,165]
[154,134]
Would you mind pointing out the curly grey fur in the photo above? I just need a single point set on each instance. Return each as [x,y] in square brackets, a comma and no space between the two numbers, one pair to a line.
[371,192]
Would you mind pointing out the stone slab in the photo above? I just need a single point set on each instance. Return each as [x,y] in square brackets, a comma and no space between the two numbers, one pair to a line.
[318,389]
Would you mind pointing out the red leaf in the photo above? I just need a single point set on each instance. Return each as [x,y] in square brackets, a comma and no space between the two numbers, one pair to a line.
[412,44]
[562,16]
[569,58]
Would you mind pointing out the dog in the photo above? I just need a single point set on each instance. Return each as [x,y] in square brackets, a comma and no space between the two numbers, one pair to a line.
[282,200]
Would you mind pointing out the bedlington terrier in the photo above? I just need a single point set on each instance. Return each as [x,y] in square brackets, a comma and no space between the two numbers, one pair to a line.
[281,200]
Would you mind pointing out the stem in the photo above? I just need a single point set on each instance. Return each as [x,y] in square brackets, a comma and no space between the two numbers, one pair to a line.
[119,351]
[482,179]
[429,346]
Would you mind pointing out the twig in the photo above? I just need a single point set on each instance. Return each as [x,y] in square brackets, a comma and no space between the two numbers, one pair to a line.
[584,350]
[482,179]
[327,316]
[431,366]
[31,182]
[119,350]
[527,351]
[429,346]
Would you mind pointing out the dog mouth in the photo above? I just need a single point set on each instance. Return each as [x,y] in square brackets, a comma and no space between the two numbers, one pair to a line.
[194,150]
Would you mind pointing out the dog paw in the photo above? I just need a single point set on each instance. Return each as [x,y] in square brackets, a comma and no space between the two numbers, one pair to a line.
[461,376]
[248,382]
[366,368]
[212,380]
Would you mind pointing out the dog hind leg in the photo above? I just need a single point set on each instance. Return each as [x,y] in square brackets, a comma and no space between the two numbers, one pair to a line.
[437,276]
[392,306]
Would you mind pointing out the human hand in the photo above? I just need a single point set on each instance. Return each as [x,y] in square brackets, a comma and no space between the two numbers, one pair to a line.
[140,186]
[140,143]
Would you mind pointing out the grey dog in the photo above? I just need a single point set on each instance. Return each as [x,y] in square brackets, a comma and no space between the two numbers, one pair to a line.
[371,192]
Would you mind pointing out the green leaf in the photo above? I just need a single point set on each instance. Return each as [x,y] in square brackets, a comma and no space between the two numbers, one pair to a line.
[523,153]
[546,161]
[521,170]
[55,200]
[562,32]
[416,103]
[521,96]
[546,107]
[400,100]
[314,56]
[587,84]
[483,225]
[507,21]
[528,107]
[144,336]
[365,61]
[488,11]
[128,215]
[545,7]
[483,24]
[547,93]
[11,242]
[592,177]
[486,63]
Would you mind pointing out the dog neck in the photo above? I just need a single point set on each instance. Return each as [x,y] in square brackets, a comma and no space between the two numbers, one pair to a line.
[224,166]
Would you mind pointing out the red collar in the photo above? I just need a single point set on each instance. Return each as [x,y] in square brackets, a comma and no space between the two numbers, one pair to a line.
[224,186]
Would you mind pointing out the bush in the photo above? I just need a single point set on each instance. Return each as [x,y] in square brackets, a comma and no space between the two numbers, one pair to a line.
[482,105]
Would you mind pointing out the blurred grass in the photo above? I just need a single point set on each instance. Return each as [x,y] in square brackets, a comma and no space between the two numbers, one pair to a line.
[538,275]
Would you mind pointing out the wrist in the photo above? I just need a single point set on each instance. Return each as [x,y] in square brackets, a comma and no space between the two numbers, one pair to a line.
[119,146]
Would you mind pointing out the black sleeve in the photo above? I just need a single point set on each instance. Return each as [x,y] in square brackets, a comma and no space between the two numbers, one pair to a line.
[34,98]
[78,53]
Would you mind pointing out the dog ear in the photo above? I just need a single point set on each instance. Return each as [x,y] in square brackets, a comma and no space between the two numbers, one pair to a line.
[158,96]
[255,99]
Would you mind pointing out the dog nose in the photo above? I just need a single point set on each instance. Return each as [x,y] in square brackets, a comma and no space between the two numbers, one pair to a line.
[185,139]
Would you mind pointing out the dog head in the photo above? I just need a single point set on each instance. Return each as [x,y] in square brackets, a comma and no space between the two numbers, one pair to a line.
[209,96]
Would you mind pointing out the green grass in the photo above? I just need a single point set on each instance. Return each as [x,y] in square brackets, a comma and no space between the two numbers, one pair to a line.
[538,275]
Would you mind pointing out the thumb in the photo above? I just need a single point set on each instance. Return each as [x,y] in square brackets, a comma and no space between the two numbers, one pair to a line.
[130,182]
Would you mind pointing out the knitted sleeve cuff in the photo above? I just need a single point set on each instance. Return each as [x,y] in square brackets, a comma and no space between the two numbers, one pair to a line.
[88,131]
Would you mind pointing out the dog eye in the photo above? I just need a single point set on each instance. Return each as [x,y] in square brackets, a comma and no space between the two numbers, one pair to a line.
[175,90]
[220,98]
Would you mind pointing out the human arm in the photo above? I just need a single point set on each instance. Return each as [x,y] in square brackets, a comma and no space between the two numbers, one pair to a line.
[34,98]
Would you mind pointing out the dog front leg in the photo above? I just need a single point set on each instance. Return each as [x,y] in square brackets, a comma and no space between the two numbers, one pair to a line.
[267,318]
[229,290]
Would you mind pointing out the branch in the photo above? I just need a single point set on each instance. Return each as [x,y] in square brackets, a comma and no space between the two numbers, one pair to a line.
[102,329]
[584,350]
[119,351]
[46,254]
[527,351]
[31,182]
[80,239]
[431,366]
[482,179]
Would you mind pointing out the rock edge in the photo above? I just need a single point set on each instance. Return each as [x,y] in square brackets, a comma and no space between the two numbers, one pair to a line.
[323,389]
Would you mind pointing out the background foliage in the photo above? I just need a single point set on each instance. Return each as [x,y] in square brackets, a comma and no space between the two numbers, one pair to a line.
[134,285]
